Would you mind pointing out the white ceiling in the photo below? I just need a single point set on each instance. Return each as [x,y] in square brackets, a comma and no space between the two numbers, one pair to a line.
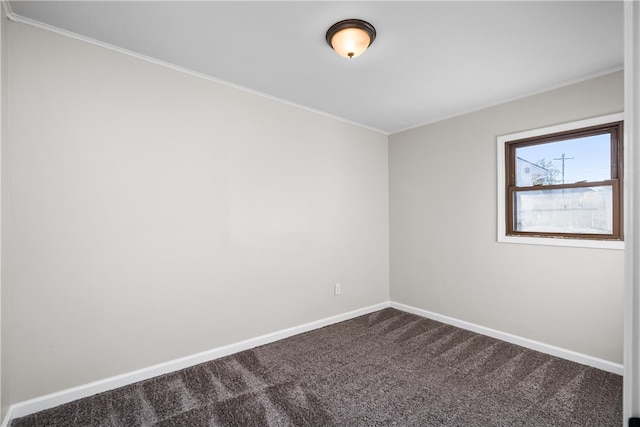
[431,60]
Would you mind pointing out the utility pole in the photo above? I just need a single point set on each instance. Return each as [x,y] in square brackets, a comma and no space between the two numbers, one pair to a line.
[563,158]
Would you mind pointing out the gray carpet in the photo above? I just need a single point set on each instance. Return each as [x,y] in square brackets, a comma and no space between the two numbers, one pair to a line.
[388,368]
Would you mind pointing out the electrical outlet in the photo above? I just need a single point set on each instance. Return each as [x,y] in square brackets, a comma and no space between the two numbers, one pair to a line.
[337,289]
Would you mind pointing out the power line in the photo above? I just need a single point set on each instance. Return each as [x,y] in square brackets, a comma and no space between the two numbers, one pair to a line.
[563,158]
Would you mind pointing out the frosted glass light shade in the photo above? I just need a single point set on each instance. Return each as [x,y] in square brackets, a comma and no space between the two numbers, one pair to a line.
[350,38]
[351,42]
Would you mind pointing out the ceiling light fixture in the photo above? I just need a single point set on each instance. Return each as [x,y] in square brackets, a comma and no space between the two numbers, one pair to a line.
[351,37]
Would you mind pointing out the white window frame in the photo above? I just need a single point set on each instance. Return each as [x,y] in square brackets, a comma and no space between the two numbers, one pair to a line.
[550,241]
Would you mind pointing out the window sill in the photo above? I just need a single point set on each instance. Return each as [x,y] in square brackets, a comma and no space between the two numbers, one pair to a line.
[551,241]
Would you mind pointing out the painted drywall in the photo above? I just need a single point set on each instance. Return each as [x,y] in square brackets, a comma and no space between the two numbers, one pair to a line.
[150,214]
[4,404]
[444,254]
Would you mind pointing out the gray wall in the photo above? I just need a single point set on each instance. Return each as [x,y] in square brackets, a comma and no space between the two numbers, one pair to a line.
[444,254]
[3,133]
[149,214]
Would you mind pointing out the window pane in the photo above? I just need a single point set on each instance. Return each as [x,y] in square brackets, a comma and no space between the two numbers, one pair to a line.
[586,159]
[585,210]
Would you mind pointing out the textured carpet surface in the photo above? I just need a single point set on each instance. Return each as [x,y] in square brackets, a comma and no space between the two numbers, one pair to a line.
[388,368]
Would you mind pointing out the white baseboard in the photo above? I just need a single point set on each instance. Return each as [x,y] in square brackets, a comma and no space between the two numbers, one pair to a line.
[583,359]
[41,403]
[8,417]
[52,400]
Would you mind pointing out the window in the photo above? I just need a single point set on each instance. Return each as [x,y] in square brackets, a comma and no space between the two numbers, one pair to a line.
[563,183]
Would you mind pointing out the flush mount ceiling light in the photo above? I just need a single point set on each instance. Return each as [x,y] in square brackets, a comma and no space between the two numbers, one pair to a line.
[351,37]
